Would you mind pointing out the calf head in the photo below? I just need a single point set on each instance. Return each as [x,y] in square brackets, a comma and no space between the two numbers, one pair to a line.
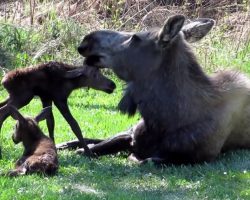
[27,127]
[135,55]
[93,78]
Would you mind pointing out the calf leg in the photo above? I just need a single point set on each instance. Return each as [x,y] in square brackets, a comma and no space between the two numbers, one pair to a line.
[50,120]
[64,110]
[4,102]
[22,170]
[3,111]
[18,102]
[20,161]
[3,116]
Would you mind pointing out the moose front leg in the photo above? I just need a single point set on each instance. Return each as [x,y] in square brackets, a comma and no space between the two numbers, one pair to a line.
[64,110]
[120,142]
[74,144]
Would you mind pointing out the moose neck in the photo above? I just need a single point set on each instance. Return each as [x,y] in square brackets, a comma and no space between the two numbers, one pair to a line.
[174,94]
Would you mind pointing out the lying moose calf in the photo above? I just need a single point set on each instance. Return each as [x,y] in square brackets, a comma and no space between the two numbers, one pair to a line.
[52,82]
[39,151]
[188,116]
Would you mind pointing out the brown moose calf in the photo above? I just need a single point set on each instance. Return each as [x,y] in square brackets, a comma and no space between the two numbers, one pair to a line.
[39,154]
[53,82]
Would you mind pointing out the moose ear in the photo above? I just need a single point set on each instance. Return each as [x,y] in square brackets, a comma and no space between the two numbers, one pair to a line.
[197,29]
[44,114]
[75,73]
[171,28]
[15,114]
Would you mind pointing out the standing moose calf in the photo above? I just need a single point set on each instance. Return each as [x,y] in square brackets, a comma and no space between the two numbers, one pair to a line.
[52,82]
[188,117]
[39,151]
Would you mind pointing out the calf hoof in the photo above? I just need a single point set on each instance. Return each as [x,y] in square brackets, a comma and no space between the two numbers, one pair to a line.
[13,173]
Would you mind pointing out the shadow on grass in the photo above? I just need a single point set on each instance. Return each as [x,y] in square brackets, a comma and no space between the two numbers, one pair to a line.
[115,176]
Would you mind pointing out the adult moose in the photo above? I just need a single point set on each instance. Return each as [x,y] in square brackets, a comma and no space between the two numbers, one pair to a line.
[188,117]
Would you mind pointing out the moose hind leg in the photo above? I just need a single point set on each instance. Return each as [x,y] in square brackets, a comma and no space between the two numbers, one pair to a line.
[50,121]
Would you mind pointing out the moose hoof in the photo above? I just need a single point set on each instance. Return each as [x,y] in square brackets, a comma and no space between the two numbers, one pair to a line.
[80,151]
[83,152]
[158,162]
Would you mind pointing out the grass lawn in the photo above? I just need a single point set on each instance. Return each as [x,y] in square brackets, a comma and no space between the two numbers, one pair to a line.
[113,177]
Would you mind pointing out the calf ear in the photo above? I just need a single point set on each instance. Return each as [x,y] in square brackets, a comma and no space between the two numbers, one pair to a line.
[44,114]
[197,29]
[15,114]
[171,28]
[75,73]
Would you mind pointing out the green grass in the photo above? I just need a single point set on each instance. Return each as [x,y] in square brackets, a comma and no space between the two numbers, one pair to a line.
[113,177]
[110,177]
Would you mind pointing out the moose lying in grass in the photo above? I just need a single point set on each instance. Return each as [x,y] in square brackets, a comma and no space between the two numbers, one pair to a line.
[39,154]
[52,82]
[193,31]
[188,117]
